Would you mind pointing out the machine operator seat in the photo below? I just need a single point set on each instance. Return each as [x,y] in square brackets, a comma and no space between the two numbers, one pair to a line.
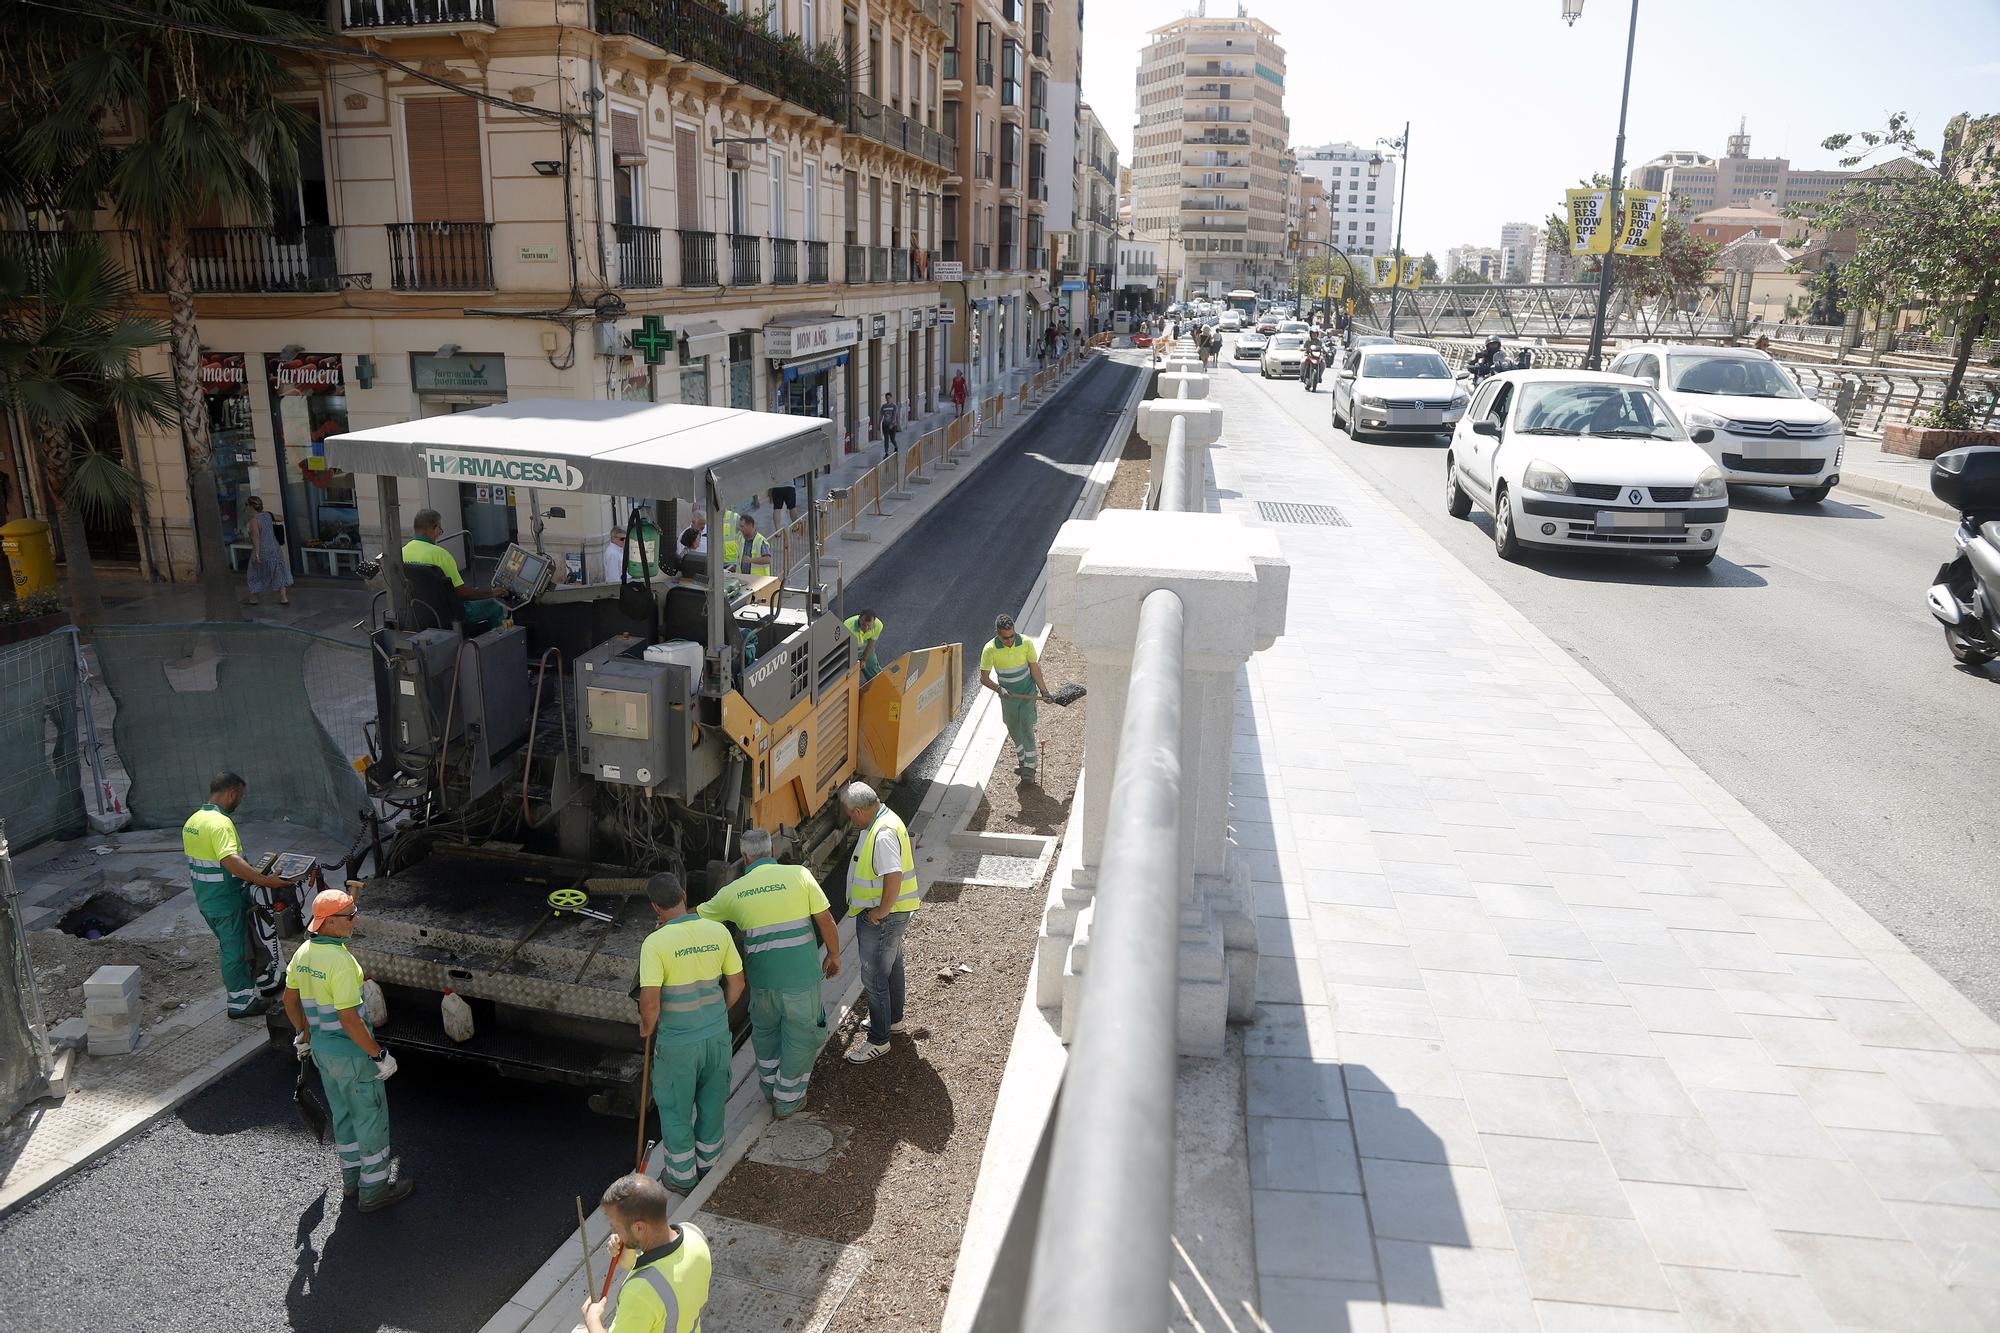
[427,600]
[685,614]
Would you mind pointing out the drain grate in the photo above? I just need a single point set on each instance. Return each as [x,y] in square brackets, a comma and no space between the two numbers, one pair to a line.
[1278,511]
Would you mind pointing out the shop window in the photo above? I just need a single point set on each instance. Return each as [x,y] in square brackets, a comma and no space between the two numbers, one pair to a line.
[742,371]
[309,403]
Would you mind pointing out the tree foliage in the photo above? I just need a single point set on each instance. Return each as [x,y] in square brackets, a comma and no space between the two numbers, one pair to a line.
[1927,225]
[1428,270]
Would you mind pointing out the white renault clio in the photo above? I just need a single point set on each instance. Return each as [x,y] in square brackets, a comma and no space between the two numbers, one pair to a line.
[1768,432]
[1578,460]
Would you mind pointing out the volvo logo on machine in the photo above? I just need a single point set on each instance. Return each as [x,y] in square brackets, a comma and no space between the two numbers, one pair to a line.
[548,474]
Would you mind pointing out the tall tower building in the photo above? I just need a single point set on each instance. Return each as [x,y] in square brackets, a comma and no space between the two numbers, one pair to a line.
[1208,176]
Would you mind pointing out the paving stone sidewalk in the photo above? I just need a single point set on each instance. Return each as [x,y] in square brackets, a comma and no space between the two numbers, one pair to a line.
[1554,1034]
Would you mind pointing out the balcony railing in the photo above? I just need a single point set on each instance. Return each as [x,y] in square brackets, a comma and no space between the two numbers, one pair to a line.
[899,265]
[745,256]
[640,263]
[982,166]
[816,261]
[698,260]
[886,125]
[413,13]
[878,263]
[985,77]
[706,33]
[441,256]
[784,262]
[856,271]
[248,259]
[985,257]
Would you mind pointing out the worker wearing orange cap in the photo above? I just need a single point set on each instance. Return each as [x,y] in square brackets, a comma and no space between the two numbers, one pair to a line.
[323,1000]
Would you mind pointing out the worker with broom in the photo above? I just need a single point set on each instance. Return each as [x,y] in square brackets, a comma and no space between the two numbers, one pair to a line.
[323,1000]
[667,1287]
[778,908]
[690,975]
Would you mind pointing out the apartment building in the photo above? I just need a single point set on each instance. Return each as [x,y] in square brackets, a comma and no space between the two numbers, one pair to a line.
[1094,260]
[1067,212]
[996,202]
[1738,179]
[1208,170]
[1136,276]
[1517,247]
[1361,192]
[769,188]
[1483,263]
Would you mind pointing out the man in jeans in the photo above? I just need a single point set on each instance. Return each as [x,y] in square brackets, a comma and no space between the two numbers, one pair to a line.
[882,896]
[888,421]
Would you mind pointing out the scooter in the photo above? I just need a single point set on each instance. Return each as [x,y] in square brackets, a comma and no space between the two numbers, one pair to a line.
[1965,597]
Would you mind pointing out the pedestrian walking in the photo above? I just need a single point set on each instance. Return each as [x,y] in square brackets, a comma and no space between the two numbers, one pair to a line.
[777,908]
[690,976]
[887,419]
[881,895]
[866,628]
[269,571]
[666,1288]
[323,1000]
[1009,666]
[958,391]
[244,925]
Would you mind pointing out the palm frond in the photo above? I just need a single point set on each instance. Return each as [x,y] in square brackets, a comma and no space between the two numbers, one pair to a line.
[101,486]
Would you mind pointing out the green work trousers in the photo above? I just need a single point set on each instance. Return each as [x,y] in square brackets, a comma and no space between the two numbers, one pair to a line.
[787,1028]
[360,1106]
[1018,712]
[226,908]
[690,1088]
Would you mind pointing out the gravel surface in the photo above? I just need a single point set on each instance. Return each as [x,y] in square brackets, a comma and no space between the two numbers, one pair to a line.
[902,1186]
[1013,806]
[172,972]
[1128,481]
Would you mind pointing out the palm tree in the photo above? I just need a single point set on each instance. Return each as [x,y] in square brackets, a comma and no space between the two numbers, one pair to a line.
[69,352]
[209,135]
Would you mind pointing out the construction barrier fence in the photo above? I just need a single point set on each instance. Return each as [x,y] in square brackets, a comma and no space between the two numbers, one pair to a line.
[42,739]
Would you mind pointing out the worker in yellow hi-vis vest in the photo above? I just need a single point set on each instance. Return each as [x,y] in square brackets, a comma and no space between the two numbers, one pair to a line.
[1009,667]
[666,1284]
[866,627]
[690,975]
[778,908]
[882,896]
[247,938]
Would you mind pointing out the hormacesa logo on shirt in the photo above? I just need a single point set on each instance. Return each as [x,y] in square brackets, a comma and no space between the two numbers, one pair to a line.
[756,889]
[693,949]
[310,970]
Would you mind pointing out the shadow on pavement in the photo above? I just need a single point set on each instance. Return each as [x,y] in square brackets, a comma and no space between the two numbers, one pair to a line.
[1645,570]
[1770,500]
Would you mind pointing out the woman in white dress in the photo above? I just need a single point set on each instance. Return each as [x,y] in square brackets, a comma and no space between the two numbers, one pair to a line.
[269,571]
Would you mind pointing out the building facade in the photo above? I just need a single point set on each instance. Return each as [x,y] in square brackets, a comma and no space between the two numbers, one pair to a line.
[776,205]
[1136,276]
[1481,262]
[1066,214]
[1363,204]
[1738,179]
[1517,247]
[1208,168]
[1093,260]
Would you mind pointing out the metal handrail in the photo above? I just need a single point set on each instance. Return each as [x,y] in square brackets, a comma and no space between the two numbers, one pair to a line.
[1102,1254]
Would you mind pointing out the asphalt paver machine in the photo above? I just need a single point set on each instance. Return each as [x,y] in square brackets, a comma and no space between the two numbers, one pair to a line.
[531,775]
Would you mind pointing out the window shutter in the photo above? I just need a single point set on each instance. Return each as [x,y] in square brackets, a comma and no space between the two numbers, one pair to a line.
[626,145]
[447,182]
[687,179]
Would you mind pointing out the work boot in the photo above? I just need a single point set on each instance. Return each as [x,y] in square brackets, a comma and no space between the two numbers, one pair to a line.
[257,1008]
[397,1191]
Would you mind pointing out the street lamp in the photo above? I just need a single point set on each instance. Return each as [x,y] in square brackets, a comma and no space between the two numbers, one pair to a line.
[1571,11]
[1402,146]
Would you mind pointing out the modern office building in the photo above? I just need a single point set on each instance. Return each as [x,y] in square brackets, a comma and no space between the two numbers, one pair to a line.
[1517,248]
[1361,194]
[1737,179]
[1208,149]
[1482,263]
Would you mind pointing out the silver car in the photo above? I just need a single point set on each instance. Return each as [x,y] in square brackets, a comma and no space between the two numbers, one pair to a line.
[1284,356]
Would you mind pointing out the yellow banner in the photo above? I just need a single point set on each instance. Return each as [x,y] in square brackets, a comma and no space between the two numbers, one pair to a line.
[1589,230]
[1413,272]
[1385,270]
[1643,217]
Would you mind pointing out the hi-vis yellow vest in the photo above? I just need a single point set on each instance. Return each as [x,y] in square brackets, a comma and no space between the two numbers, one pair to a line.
[864,879]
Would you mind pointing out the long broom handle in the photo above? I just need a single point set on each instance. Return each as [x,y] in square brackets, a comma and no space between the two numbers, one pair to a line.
[645,1086]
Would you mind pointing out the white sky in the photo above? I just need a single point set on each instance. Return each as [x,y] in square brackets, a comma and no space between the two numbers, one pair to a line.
[1508,107]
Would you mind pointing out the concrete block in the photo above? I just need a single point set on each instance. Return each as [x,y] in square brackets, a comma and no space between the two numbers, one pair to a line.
[67,1034]
[61,1070]
[111,821]
[119,982]
[110,1013]
[1183,385]
[1156,417]
[122,1042]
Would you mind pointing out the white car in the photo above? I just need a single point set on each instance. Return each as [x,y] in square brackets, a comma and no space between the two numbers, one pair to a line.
[1249,346]
[1284,354]
[1232,320]
[1768,432]
[1398,389]
[1579,460]
[1286,324]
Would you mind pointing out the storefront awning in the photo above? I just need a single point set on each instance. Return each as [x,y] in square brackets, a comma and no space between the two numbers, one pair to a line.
[1039,294]
[813,365]
[706,338]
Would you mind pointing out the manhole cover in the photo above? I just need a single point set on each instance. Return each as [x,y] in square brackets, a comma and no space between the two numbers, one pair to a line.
[800,1143]
[66,862]
[1324,516]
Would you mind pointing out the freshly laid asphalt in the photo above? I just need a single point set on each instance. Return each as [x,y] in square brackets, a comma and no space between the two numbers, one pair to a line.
[226,1217]
[1801,671]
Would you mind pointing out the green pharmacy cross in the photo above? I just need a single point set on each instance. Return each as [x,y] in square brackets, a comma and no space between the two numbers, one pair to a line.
[652,340]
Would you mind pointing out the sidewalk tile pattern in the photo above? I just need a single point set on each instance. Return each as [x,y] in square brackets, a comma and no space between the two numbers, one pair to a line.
[1549,1036]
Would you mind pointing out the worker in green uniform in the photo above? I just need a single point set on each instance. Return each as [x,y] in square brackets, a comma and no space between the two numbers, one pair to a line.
[777,908]
[1009,667]
[866,627]
[483,610]
[323,1000]
[667,1287]
[689,976]
[882,896]
[218,872]
[753,549]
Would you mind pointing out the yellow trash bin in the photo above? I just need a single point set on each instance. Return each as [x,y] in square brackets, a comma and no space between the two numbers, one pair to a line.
[31,558]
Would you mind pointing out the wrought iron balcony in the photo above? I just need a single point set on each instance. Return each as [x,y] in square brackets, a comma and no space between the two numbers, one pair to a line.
[698,260]
[708,34]
[441,256]
[746,255]
[784,262]
[886,125]
[878,263]
[250,259]
[363,14]
[640,263]
[899,264]
[816,261]
[856,272]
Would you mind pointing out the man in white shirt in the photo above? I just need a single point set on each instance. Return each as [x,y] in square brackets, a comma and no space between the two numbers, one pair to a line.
[614,556]
[694,537]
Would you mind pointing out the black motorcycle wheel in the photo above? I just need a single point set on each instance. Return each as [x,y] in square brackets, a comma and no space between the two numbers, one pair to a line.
[1964,651]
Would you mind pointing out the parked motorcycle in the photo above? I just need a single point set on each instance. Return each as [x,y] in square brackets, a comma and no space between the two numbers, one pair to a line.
[1965,598]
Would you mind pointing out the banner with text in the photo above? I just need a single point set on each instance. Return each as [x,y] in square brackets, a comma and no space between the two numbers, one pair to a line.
[1589,230]
[1641,220]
